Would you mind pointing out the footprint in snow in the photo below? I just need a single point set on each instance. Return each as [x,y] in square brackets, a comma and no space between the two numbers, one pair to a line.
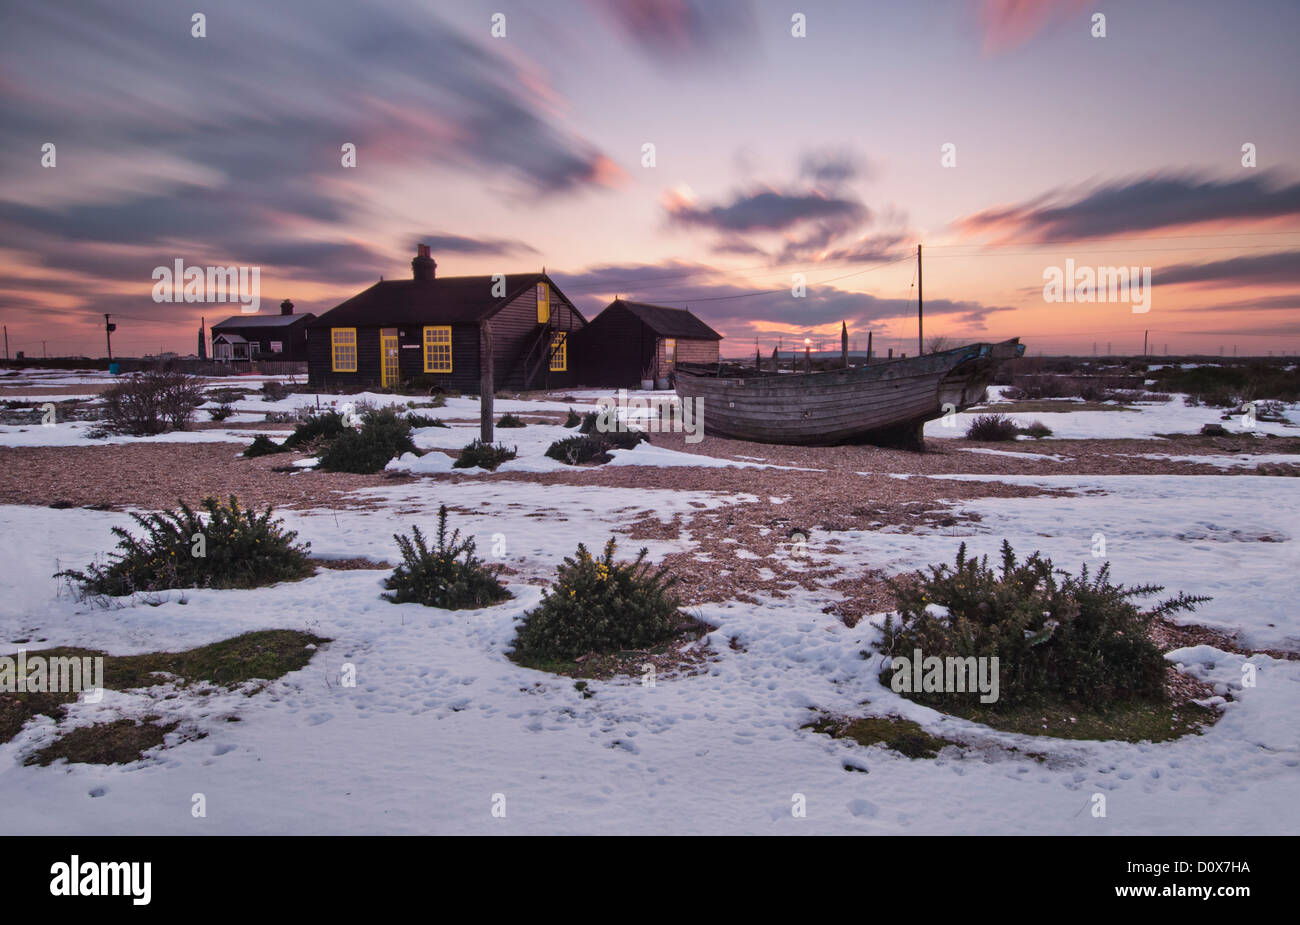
[97,792]
[222,749]
[316,719]
[863,808]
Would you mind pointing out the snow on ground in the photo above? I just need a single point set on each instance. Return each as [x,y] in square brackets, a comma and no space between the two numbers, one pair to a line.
[440,720]
[1145,421]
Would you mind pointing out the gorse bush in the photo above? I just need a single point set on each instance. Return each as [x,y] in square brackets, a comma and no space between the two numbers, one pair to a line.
[316,429]
[510,420]
[384,435]
[1037,430]
[423,420]
[483,455]
[262,445]
[230,548]
[449,575]
[599,605]
[151,403]
[992,427]
[593,447]
[1057,636]
[573,419]
[221,412]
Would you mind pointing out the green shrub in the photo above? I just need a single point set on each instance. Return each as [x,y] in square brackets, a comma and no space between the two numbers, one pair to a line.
[1037,429]
[992,427]
[483,455]
[585,448]
[448,576]
[315,429]
[510,420]
[423,420]
[573,420]
[274,391]
[263,445]
[588,425]
[221,412]
[383,435]
[1057,636]
[599,605]
[233,548]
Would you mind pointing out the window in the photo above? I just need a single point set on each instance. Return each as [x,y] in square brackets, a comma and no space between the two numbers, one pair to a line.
[559,353]
[437,349]
[343,342]
[543,303]
[670,350]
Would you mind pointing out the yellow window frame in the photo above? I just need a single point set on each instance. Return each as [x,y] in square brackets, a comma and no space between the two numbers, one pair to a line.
[559,352]
[343,350]
[437,348]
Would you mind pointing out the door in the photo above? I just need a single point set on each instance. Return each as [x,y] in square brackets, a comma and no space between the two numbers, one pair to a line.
[388,351]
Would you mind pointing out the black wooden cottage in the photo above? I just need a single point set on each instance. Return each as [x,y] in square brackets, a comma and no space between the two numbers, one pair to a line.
[241,338]
[434,332]
[630,343]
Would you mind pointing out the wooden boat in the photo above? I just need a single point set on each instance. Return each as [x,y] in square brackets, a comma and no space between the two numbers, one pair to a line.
[886,401]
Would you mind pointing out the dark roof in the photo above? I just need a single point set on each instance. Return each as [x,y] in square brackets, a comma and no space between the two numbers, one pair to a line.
[446,300]
[262,321]
[670,322]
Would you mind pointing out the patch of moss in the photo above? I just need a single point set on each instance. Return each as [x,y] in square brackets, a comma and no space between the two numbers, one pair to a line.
[119,742]
[1115,721]
[902,735]
[262,655]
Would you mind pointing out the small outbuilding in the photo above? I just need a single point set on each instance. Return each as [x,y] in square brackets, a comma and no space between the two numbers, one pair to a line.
[630,343]
[241,338]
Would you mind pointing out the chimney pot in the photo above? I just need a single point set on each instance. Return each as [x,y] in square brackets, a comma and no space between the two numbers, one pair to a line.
[422,265]
[286,307]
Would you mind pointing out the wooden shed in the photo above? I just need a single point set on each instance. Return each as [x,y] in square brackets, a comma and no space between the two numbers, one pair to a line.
[435,332]
[242,338]
[630,342]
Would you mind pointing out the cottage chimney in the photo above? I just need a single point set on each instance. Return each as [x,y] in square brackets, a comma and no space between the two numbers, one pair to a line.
[423,266]
[286,307]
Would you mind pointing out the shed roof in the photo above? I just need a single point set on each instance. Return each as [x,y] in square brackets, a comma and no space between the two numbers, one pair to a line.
[262,321]
[446,300]
[670,322]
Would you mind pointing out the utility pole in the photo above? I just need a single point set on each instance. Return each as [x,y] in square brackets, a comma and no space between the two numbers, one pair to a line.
[1145,336]
[44,355]
[920,306]
[6,341]
[109,328]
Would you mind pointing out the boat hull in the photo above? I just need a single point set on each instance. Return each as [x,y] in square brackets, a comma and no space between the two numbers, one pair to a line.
[885,402]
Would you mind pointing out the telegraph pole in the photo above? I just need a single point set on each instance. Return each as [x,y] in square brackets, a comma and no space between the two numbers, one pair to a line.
[109,328]
[920,305]
[6,341]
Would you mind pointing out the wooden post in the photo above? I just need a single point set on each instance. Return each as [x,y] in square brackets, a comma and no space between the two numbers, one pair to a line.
[487,386]
[844,345]
[869,346]
[108,334]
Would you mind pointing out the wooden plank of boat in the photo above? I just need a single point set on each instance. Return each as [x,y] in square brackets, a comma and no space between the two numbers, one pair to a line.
[886,401]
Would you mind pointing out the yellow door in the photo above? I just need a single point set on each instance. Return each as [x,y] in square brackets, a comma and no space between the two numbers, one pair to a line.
[388,354]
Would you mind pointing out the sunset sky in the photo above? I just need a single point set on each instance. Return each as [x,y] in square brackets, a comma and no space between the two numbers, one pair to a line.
[774,155]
